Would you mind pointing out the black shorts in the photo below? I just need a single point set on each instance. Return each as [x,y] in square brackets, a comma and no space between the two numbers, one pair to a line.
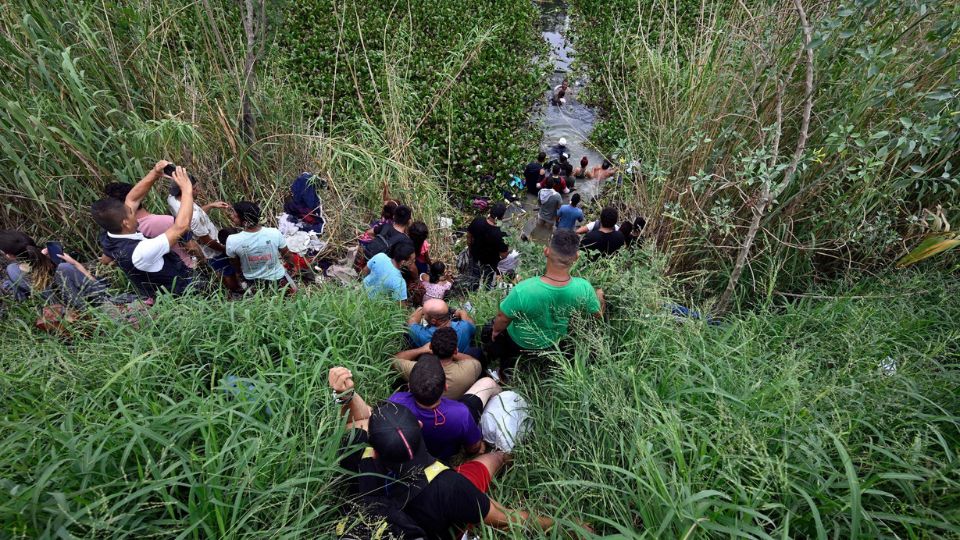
[474,404]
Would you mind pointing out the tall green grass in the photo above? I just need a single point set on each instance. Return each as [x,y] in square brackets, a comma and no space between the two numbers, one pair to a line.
[778,424]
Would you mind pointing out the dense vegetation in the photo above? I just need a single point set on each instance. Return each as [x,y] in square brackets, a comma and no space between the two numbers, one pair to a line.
[810,418]
[695,99]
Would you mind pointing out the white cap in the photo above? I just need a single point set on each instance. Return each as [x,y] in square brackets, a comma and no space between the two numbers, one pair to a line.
[562,141]
[565,155]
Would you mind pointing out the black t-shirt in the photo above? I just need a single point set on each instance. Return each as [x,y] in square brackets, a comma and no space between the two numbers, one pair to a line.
[531,175]
[443,509]
[487,243]
[392,237]
[604,242]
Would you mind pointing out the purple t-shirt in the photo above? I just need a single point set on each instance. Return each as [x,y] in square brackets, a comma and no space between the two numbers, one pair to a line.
[456,427]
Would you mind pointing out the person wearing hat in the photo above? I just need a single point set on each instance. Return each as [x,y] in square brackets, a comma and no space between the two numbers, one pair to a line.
[397,479]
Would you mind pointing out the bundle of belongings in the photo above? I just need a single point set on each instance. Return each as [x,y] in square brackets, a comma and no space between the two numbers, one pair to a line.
[303,220]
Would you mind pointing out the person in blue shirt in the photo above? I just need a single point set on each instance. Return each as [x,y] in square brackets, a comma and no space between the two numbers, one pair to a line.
[437,315]
[383,276]
[570,214]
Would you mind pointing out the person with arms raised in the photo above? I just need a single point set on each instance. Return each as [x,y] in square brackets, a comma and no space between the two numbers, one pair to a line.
[147,262]
[438,315]
[536,314]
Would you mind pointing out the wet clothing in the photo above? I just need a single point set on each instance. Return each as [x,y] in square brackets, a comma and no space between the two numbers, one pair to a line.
[541,312]
[531,176]
[604,242]
[447,429]
[488,242]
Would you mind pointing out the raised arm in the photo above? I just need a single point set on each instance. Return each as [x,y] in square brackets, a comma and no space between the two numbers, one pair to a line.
[413,354]
[181,223]
[464,316]
[416,317]
[357,410]
[142,188]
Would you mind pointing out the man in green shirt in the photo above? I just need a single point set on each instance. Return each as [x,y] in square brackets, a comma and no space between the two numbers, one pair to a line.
[536,314]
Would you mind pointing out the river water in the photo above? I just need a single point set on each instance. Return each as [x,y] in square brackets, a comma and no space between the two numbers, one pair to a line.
[572,120]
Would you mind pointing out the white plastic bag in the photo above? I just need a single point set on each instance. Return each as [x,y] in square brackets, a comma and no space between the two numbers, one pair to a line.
[505,420]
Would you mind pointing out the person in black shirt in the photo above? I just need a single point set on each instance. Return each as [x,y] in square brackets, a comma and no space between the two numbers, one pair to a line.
[487,245]
[533,173]
[397,479]
[604,237]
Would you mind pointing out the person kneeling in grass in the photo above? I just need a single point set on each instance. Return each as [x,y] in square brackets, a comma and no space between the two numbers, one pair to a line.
[256,250]
[449,426]
[536,314]
[461,370]
[427,499]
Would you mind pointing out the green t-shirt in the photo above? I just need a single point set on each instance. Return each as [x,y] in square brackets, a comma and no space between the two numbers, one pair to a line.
[541,312]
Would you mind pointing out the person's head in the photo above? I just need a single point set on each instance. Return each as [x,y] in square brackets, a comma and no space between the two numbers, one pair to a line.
[638,225]
[388,209]
[427,380]
[584,162]
[17,246]
[396,436]
[436,312]
[626,228]
[541,157]
[555,170]
[575,200]
[437,271]
[497,211]
[114,216]
[175,189]
[117,190]
[564,157]
[565,83]
[418,232]
[606,165]
[609,217]
[246,214]
[225,233]
[562,141]
[401,216]
[563,249]
[402,253]
[444,343]
[549,183]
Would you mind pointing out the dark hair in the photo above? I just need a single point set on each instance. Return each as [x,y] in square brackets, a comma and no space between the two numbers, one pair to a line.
[584,161]
[418,232]
[609,217]
[427,380]
[575,200]
[606,164]
[549,182]
[625,229]
[23,247]
[117,190]
[175,189]
[401,216]
[109,214]
[394,432]
[564,245]
[563,157]
[444,342]
[498,210]
[542,156]
[225,233]
[437,270]
[248,213]
[639,224]
[389,208]
[555,169]
[401,251]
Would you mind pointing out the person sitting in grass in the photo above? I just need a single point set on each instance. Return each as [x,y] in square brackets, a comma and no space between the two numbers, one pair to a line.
[31,270]
[382,275]
[570,214]
[536,314]
[256,250]
[435,282]
[604,237]
[147,262]
[205,233]
[429,500]
[438,315]
[461,370]
[449,426]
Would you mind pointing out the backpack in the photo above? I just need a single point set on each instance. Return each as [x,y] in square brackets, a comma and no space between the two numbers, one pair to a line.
[381,243]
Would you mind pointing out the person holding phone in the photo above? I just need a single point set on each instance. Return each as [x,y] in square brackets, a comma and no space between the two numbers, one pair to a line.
[147,262]
[49,272]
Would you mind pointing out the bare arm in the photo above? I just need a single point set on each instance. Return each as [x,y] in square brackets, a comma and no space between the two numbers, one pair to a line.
[416,317]
[501,518]
[582,230]
[215,204]
[181,223]
[603,303]
[140,190]
[500,323]
[82,269]
[464,316]
[211,243]
[356,409]
[413,354]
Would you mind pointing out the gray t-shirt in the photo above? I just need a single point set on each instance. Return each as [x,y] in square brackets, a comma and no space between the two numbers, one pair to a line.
[549,206]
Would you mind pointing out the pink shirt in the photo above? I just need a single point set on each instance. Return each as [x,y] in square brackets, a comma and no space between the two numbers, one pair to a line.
[153,225]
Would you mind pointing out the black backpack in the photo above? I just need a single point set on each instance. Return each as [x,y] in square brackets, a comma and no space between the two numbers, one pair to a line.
[382,243]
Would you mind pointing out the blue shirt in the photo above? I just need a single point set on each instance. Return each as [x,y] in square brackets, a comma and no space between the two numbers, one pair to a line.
[421,335]
[568,216]
[384,279]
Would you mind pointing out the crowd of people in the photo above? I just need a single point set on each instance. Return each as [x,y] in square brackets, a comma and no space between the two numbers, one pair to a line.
[450,370]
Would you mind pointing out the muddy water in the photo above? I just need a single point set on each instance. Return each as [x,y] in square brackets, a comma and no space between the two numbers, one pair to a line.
[572,120]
